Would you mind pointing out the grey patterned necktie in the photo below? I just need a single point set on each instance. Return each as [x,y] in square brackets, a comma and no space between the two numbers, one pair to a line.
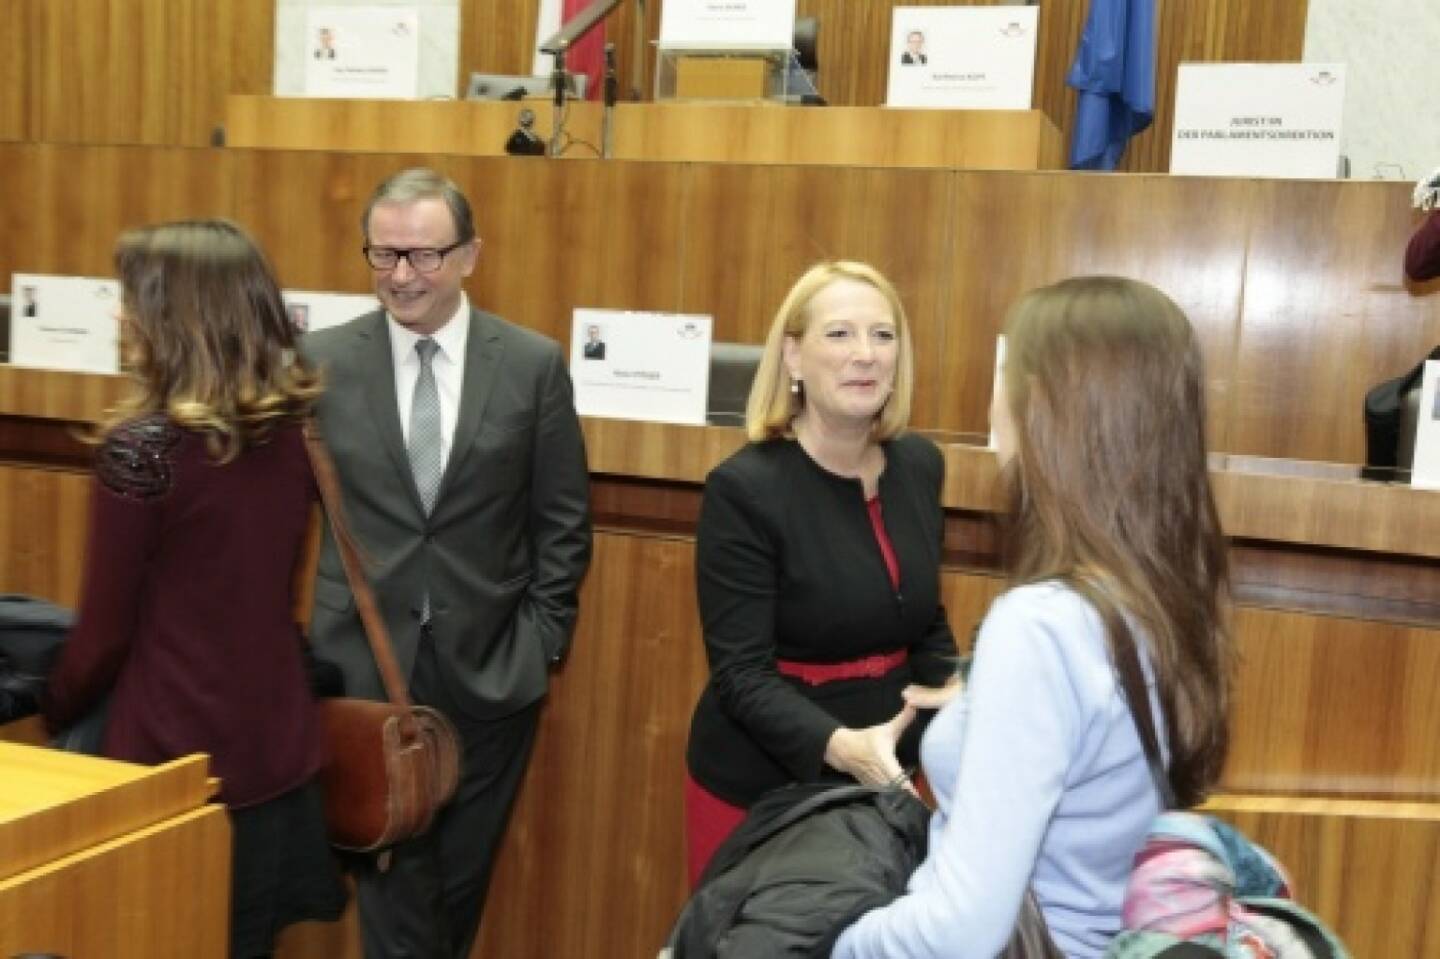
[424,444]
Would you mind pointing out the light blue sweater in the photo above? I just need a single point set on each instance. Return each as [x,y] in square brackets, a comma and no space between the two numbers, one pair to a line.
[1040,779]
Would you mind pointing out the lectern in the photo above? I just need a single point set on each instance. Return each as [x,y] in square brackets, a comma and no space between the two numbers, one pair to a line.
[104,858]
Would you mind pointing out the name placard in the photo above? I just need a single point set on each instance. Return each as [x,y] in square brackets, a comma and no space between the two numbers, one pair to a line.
[995,384]
[1426,469]
[310,310]
[727,24]
[641,366]
[1258,119]
[65,323]
[362,52]
[967,58]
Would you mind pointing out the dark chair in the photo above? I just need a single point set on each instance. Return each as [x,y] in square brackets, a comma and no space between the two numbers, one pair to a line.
[4,328]
[732,370]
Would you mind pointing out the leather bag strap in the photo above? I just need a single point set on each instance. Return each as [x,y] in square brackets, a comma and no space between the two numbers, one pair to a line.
[1132,681]
[370,618]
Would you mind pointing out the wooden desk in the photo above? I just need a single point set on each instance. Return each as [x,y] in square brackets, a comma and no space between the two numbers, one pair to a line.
[1280,501]
[688,132]
[102,858]
[463,127]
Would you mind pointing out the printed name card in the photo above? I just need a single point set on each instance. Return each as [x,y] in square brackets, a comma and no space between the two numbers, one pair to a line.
[65,323]
[1258,119]
[641,366]
[727,24]
[310,310]
[1426,469]
[966,58]
[362,52]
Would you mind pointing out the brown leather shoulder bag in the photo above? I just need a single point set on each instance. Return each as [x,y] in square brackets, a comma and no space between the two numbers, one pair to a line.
[390,765]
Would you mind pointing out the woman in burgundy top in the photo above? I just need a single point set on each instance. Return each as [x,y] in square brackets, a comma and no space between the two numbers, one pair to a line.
[201,503]
[1422,254]
[817,562]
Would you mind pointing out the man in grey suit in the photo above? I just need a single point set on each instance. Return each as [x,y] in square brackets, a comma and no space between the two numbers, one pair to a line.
[464,478]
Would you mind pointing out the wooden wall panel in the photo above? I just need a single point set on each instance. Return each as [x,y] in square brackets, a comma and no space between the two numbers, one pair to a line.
[1294,286]
[61,206]
[1327,705]
[249,30]
[1368,869]
[1014,233]
[583,234]
[768,227]
[129,71]
[42,532]
[608,775]
[497,36]
[1328,261]
[16,46]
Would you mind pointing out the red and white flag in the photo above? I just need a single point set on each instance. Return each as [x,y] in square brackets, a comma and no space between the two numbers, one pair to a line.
[587,56]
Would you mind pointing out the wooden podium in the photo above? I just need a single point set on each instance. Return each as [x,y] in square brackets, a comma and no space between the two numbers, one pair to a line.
[104,858]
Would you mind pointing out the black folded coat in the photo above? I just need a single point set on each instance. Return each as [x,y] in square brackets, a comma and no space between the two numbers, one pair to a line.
[807,862]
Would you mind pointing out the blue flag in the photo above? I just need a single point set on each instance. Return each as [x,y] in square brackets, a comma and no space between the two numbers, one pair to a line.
[1114,72]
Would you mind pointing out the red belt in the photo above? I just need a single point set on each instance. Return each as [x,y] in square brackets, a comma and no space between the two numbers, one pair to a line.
[871,667]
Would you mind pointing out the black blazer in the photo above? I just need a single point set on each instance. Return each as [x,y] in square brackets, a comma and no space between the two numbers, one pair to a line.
[788,567]
[503,551]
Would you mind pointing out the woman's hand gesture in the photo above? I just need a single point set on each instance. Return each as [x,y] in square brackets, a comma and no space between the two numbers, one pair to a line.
[869,754]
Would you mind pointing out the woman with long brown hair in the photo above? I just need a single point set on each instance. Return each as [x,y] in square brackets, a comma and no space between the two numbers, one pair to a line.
[201,503]
[1114,544]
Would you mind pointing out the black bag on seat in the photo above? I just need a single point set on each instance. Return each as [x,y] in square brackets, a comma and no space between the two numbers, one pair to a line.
[1384,406]
[31,634]
[807,861]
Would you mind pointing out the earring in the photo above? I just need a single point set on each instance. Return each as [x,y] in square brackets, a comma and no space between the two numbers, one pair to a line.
[795,387]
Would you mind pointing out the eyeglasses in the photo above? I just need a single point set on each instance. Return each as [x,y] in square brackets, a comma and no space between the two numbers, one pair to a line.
[422,259]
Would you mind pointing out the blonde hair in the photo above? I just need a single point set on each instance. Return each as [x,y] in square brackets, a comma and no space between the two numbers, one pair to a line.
[772,405]
[1109,492]
[207,335]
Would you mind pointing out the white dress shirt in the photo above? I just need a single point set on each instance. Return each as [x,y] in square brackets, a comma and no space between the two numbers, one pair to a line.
[448,365]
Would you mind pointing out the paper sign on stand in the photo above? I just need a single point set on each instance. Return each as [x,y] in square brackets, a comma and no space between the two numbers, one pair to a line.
[641,366]
[966,58]
[65,323]
[362,52]
[310,311]
[999,375]
[1258,119]
[1426,469]
[727,24]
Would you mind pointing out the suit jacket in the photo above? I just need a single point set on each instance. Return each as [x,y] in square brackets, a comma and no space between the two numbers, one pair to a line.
[507,543]
[910,60]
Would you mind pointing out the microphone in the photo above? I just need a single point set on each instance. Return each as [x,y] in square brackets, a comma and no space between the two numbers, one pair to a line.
[607,116]
[611,83]
[558,79]
[524,141]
